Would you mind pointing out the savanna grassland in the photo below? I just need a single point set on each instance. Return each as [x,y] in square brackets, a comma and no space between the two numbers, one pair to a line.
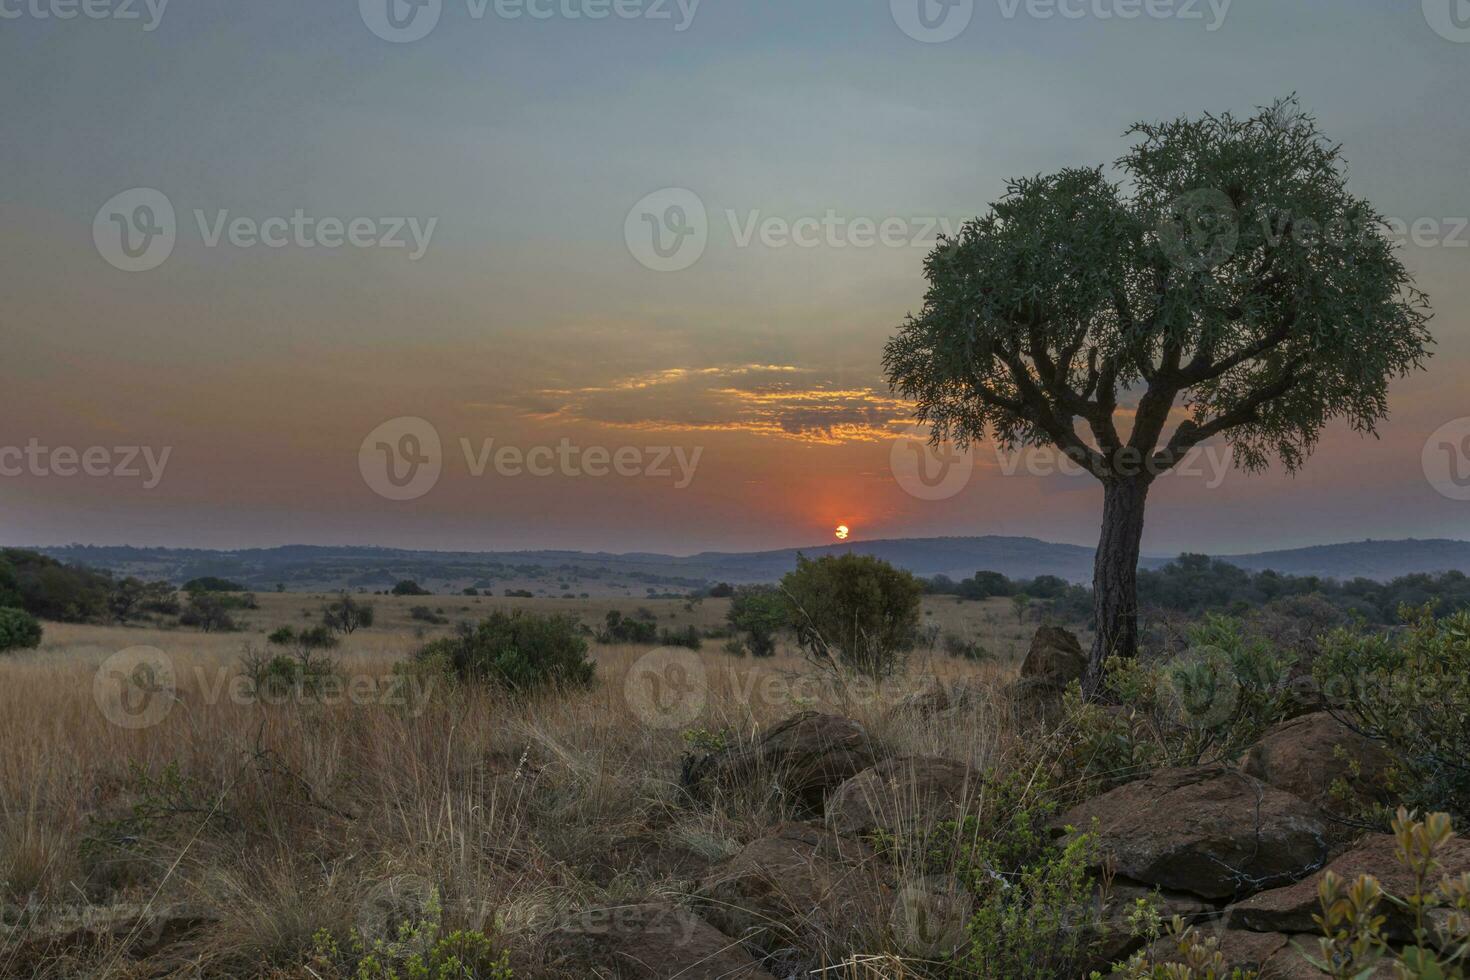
[232,835]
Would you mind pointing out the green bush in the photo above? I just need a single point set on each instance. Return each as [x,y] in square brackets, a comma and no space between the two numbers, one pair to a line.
[686,637]
[345,614]
[1209,704]
[420,949]
[618,628]
[1411,692]
[854,610]
[757,613]
[19,630]
[518,650]
[409,587]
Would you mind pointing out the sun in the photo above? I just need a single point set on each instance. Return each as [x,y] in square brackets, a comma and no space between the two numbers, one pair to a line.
[842,532]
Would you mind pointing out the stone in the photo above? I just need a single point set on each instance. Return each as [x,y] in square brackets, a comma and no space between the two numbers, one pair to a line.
[904,796]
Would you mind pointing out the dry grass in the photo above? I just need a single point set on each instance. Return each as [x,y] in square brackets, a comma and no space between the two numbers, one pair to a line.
[274,821]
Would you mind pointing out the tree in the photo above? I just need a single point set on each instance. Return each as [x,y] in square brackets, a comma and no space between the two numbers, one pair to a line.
[853,610]
[345,614]
[1230,278]
[409,587]
[1022,602]
[209,612]
[757,613]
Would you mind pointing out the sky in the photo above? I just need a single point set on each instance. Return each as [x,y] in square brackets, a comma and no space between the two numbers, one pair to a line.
[281,272]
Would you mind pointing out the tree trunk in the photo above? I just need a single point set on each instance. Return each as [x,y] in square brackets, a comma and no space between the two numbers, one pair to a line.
[1115,577]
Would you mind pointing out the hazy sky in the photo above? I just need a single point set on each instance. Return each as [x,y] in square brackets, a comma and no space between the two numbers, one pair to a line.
[519,140]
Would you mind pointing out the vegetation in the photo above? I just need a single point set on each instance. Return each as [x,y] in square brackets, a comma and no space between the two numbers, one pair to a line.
[347,615]
[757,613]
[1411,692]
[1232,275]
[618,628]
[409,587]
[19,630]
[212,583]
[209,611]
[854,611]
[518,650]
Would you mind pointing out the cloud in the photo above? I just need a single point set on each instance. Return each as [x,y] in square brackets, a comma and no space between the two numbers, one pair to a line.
[778,400]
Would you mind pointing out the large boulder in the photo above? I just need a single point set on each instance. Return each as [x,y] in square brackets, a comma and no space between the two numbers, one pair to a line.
[1055,655]
[1208,830]
[798,887]
[647,942]
[1290,909]
[808,756]
[1308,755]
[905,796]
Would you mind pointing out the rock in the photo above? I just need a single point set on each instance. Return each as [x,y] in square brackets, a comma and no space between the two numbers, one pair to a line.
[648,942]
[799,886]
[808,755]
[1270,955]
[1307,755]
[1290,909]
[902,796]
[1208,830]
[1056,655]
[938,699]
[931,917]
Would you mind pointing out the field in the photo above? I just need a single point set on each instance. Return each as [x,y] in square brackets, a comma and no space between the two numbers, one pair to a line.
[244,828]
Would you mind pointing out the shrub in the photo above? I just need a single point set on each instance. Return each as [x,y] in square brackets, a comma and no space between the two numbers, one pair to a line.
[19,630]
[1438,908]
[965,648]
[686,637]
[854,610]
[518,650]
[419,949]
[409,587]
[345,614]
[618,628]
[47,589]
[1209,704]
[426,615]
[1409,691]
[756,614]
[212,583]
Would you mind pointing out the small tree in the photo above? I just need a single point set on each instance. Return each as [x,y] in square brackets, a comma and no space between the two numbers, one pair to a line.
[409,587]
[1232,279]
[209,611]
[345,614]
[1022,602]
[854,610]
[757,613]
[518,650]
[19,630]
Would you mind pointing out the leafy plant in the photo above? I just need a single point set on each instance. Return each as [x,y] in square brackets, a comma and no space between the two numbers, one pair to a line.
[853,610]
[418,950]
[757,613]
[518,650]
[19,630]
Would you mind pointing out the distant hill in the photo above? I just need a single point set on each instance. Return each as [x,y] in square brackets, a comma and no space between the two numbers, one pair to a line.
[306,567]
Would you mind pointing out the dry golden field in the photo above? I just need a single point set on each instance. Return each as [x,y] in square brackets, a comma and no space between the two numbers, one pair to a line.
[255,825]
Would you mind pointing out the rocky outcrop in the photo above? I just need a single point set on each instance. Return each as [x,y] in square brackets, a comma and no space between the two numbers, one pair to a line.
[1210,831]
[648,942]
[1308,755]
[808,756]
[1055,655]
[798,885]
[905,796]
[1290,909]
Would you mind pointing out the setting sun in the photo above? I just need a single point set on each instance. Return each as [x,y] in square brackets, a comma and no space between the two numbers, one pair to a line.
[841,532]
